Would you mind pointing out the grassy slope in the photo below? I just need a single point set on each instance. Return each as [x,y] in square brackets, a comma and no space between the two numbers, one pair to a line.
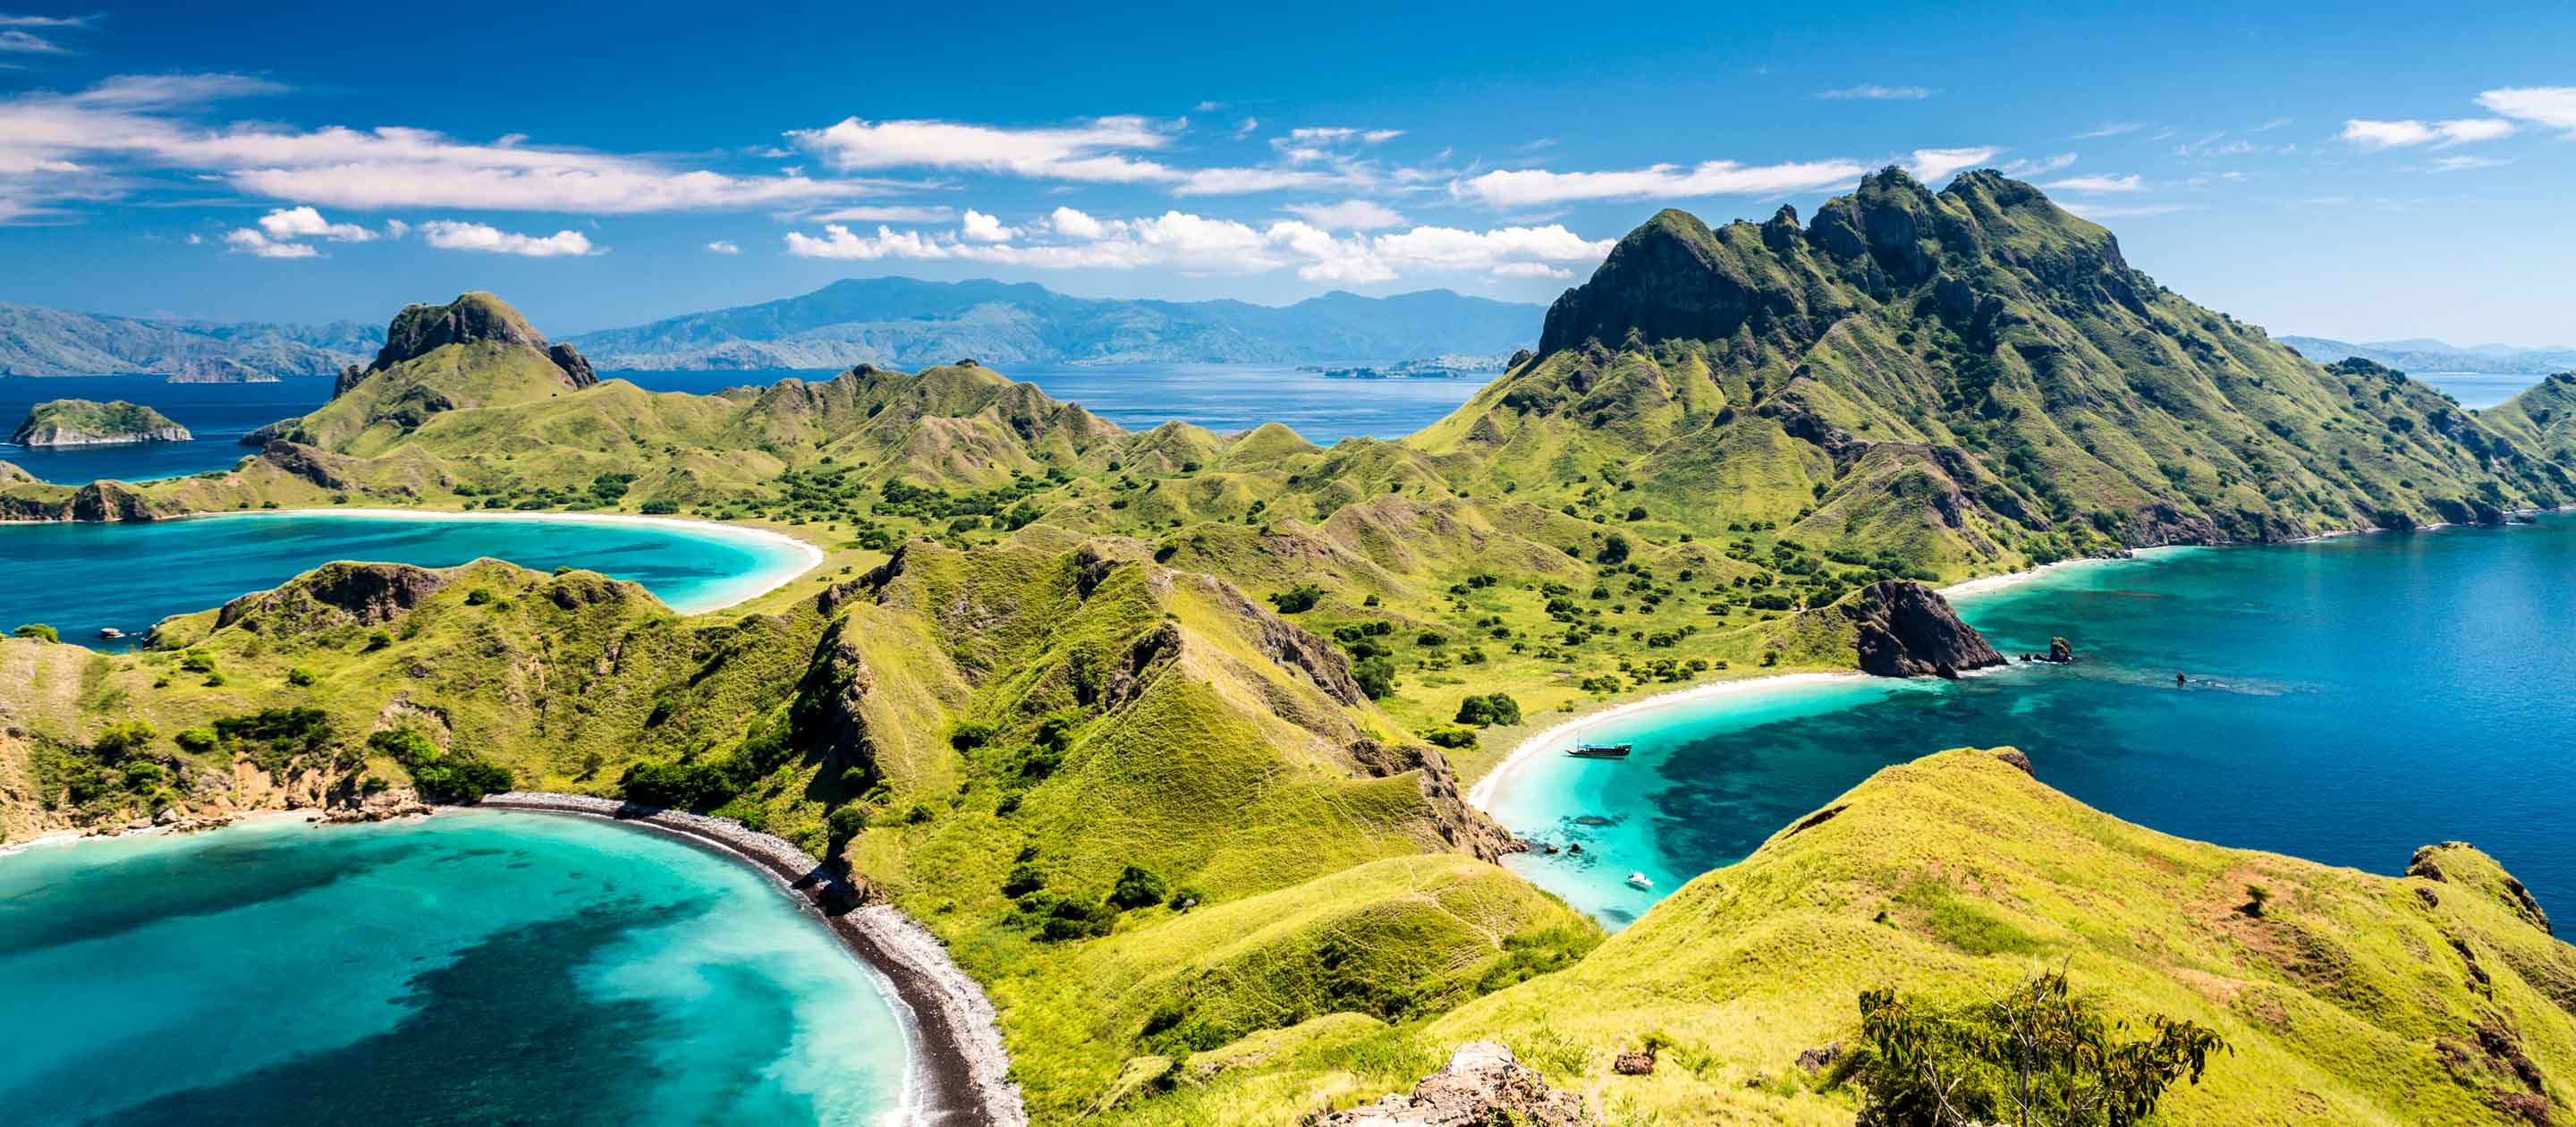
[2352,1000]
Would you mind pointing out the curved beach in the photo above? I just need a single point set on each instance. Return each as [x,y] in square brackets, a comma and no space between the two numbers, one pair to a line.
[959,1072]
[810,555]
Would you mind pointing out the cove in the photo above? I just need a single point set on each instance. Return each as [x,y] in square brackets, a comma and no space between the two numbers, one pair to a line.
[472,967]
[2351,700]
[80,577]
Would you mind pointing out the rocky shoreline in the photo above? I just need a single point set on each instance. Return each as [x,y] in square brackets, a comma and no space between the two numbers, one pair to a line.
[960,1070]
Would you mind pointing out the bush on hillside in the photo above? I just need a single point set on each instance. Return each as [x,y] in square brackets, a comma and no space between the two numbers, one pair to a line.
[1375,675]
[39,631]
[2040,1053]
[440,776]
[1137,888]
[1489,709]
[1297,599]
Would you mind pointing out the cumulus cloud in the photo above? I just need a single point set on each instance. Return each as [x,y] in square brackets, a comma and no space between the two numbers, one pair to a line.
[1531,270]
[1091,151]
[1871,91]
[1348,215]
[724,246]
[2440,134]
[981,228]
[2129,183]
[450,234]
[305,222]
[2551,106]
[1199,244]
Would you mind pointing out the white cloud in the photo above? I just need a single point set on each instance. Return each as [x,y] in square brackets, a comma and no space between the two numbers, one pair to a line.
[1198,244]
[897,213]
[2113,129]
[1244,181]
[450,234]
[2041,166]
[1537,187]
[2116,211]
[26,43]
[1870,91]
[1090,151]
[44,21]
[2129,183]
[1074,224]
[1531,270]
[128,122]
[981,228]
[304,222]
[1348,215]
[1245,129]
[2552,106]
[724,246]
[1315,135]
[2441,134]
[2463,164]
[249,241]
[1936,164]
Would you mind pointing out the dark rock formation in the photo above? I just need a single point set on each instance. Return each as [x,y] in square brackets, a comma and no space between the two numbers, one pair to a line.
[2017,759]
[1482,1083]
[1633,1063]
[366,593]
[1460,824]
[576,367]
[2458,862]
[321,467]
[1905,629]
[2060,652]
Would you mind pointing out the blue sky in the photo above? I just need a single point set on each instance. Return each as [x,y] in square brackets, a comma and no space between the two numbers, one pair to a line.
[2365,171]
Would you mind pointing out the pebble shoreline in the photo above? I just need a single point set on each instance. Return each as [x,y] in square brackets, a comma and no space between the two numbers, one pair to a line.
[960,1071]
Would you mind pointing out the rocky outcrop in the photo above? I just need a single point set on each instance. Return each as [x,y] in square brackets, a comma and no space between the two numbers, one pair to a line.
[2462,864]
[1904,629]
[576,367]
[1458,822]
[321,467]
[1482,1084]
[364,593]
[270,433]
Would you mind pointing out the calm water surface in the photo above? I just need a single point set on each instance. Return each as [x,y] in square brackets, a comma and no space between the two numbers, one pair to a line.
[2354,699]
[80,577]
[473,968]
[217,414]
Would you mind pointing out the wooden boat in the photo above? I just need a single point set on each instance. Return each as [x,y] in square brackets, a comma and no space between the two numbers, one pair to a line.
[1598,751]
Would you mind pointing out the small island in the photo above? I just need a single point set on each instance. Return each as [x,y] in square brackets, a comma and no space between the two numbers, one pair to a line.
[81,422]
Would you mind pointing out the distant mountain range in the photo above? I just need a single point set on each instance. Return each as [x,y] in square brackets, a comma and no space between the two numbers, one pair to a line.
[35,341]
[2419,355]
[909,324]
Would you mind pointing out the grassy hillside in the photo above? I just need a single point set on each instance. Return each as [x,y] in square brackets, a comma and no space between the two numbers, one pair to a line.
[2438,997]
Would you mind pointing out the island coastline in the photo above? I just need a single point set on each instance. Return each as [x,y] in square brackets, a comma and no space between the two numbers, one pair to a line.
[957,1071]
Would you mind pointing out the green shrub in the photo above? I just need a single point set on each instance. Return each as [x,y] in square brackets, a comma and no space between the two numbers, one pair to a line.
[39,631]
[440,776]
[1451,736]
[124,738]
[1375,675]
[196,740]
[2039,1054]
[1297,599]
[198,661]
[300,677]
[1137,888]
[1490,709]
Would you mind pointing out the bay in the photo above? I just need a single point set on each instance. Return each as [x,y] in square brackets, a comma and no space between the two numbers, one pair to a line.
[2350,700]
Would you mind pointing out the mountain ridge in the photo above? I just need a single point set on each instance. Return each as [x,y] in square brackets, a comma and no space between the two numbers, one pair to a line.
[908,323]
[2427,355]
[40,341]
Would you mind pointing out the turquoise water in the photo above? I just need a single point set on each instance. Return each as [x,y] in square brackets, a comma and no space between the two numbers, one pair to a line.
[2352,699]
[473,968]
[80,577]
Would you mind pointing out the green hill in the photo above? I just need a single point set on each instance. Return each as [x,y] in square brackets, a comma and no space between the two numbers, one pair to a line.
[81,422]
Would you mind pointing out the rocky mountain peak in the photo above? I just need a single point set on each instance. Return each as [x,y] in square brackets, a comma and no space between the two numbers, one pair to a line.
[474,317]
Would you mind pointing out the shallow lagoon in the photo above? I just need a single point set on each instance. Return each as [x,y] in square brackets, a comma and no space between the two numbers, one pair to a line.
[475,967]
[80,577]
[2353,699]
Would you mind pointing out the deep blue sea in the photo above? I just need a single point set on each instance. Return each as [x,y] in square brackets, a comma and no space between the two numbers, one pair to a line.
[79,577]
[471,968]
[2351,699]
[217,414]
[1221,397]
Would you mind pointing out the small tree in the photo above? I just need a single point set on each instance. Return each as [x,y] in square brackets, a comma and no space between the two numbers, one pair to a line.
[2038,1056]
[1137,888]
[1299,598]
[39,631]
